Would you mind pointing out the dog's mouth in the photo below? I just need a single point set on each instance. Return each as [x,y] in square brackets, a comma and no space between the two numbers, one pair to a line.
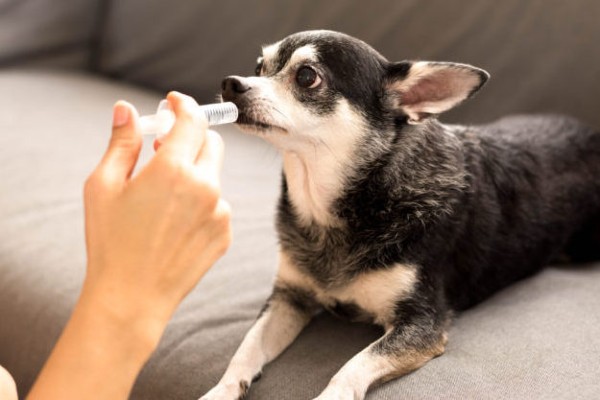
[246,121]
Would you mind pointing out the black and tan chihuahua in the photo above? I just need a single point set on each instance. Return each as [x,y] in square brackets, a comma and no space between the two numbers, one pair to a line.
[387,215]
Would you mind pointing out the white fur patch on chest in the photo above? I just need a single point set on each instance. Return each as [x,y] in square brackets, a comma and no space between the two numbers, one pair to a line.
[375,292]
[316,166]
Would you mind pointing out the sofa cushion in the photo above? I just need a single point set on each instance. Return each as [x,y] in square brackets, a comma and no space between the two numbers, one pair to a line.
[537,339]
[48,33]
[540,53]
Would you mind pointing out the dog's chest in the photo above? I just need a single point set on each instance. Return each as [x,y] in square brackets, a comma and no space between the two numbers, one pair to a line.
[370,296]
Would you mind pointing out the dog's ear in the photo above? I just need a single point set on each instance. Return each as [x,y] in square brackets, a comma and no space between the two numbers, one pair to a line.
[420,89]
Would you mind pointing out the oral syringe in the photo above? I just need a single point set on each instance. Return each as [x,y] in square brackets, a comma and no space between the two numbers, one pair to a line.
[160,124]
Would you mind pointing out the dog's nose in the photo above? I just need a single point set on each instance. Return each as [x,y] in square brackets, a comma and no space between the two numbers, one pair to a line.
[233,86]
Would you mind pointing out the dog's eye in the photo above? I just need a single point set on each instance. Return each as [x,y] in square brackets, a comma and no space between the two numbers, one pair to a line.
[259,68]
[307,77]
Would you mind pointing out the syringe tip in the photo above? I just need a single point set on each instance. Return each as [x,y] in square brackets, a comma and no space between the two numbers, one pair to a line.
[220,113]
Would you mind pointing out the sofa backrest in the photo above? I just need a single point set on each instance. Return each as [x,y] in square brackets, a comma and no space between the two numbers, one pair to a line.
[542,54]
[56,33]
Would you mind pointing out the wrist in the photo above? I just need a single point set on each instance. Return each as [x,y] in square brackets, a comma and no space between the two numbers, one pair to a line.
[138,324]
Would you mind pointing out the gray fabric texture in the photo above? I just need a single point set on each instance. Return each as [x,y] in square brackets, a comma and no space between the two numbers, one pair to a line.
[538,339]
[47,32]
[542,54]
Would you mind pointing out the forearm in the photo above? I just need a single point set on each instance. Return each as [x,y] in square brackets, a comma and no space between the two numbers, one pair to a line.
[99,354]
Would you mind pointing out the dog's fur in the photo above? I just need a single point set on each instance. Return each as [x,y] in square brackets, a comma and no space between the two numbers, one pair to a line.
[387,215]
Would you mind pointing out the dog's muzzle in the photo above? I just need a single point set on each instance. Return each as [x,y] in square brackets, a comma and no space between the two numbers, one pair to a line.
[233,87]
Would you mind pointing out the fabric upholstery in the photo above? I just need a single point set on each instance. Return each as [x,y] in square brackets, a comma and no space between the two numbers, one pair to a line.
[541,53]
[538,339]
[48,33]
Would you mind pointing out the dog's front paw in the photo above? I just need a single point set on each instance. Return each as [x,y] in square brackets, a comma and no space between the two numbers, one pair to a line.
[227,391]
[339,393]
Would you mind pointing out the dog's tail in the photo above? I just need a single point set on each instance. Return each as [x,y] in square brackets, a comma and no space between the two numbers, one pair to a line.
[584,245]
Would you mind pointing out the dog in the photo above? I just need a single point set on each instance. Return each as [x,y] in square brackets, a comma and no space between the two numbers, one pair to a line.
[387,215]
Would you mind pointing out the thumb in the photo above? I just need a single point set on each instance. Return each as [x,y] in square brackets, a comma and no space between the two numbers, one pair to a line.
[125,144]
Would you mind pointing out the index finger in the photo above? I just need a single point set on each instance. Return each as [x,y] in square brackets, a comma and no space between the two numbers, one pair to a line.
[186,138]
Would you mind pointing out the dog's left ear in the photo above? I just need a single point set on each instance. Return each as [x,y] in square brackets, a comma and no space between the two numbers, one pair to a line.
[420,89]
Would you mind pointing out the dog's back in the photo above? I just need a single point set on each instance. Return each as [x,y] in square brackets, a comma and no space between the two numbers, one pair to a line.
[535,193]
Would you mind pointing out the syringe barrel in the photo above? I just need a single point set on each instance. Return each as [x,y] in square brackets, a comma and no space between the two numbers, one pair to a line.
[160,124]
[220,113]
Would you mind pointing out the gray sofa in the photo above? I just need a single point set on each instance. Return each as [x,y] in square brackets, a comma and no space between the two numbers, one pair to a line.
[62,66]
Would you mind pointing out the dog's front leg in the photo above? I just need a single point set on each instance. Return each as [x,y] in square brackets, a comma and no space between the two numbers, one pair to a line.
[401,350]
[286,313]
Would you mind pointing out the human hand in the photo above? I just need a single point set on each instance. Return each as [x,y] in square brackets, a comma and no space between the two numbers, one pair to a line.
[149,238]
[152,237]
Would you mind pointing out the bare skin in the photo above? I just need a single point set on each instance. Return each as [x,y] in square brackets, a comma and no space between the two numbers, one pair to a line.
[145,250]
[8,389]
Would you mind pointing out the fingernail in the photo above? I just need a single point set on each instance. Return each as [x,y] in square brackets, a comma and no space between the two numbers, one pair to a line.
[120,115]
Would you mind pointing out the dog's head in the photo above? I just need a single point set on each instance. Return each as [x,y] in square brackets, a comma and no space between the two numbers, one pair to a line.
[317,84]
